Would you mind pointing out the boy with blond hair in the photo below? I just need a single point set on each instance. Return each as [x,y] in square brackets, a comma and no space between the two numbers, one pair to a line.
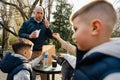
[17,64]
[98,56]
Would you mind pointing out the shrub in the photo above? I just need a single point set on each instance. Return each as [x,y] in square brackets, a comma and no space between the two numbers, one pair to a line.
[11,39]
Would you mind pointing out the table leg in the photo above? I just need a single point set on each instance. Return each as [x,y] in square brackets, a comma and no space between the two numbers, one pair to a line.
[48,78]
[53,76]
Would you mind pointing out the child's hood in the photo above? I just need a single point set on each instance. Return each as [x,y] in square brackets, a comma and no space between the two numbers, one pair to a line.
[11,61]
[111,48]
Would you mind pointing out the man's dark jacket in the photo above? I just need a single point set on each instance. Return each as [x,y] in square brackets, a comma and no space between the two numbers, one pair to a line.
[31,25]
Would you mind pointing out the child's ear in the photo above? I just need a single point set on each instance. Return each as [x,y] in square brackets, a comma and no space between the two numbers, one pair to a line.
[24,53]
[96,26]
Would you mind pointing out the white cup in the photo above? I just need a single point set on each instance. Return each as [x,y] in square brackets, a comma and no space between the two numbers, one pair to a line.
[37,32]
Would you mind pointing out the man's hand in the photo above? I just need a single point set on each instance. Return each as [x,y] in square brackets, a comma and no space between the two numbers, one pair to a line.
[47,23]
[33,35]
[56,35]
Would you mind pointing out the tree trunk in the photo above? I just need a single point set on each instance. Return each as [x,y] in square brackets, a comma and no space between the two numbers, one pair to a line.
[5,37]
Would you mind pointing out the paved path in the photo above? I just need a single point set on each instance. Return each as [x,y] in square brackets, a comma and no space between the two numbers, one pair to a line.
[3,76]
[57,77]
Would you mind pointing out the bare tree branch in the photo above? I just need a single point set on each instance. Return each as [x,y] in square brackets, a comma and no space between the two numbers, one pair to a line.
[41,2]
[8,29]
[20,4]
[18,8]
[49,8]
[32,8]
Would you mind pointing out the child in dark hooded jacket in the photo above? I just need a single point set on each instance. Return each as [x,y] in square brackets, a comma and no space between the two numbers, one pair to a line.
[17,64]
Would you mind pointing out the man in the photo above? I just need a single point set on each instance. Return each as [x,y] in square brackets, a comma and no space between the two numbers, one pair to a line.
[29,27]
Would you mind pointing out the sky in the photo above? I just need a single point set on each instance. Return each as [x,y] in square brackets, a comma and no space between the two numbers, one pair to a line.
[79,3]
